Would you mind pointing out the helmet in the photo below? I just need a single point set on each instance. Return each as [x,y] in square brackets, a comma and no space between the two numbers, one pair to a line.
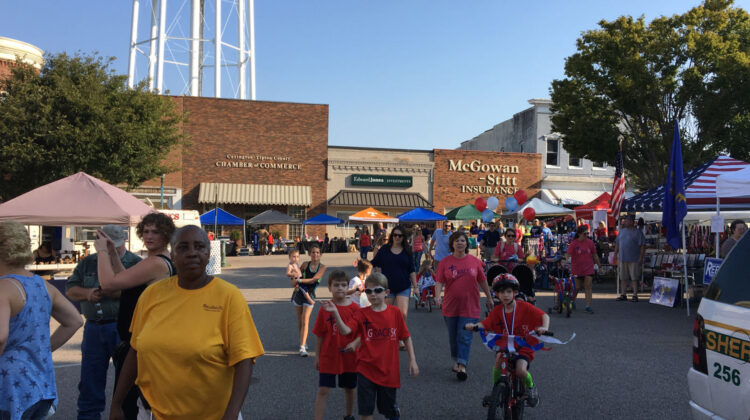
[504,281]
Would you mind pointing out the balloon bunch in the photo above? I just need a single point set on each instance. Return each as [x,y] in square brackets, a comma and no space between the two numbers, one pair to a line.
[487,206]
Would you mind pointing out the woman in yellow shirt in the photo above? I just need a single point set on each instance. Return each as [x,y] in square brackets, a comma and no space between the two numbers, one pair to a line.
[193,341]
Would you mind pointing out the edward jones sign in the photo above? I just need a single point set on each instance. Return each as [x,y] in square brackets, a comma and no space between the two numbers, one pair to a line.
[381,180]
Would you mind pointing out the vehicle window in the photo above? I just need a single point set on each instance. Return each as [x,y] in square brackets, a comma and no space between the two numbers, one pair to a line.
[732,283]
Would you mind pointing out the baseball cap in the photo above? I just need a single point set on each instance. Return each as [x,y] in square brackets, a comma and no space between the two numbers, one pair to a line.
[629,217]
[116,233]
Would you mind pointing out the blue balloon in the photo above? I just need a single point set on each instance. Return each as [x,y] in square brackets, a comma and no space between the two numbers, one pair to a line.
[487,215]
[492,203]
[511,204]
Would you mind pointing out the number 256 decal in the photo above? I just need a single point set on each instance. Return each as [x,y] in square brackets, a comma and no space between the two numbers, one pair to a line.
[727,374]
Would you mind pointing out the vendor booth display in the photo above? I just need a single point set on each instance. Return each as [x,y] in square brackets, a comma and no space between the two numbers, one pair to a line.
[221,217]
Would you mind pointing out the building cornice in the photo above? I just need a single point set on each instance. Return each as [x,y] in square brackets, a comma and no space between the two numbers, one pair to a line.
[379,166]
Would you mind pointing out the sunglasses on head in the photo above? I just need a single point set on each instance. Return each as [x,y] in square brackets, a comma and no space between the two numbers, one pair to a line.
[376,290]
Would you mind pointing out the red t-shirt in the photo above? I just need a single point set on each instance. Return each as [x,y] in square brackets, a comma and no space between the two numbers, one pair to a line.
[460,277]
[528,318]
[332,359]
[364,240]
[505,250]
[377,358]
[582,257]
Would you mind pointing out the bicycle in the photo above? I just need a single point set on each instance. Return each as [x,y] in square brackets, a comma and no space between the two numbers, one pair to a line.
[565,289]
[508,392]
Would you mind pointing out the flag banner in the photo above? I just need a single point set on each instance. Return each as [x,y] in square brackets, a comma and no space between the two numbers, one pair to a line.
[618,186]
[675,203]
[497,342]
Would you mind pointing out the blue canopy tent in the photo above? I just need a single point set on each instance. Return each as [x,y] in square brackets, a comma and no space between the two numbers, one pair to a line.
[323,219]
[219,216]
[420,214]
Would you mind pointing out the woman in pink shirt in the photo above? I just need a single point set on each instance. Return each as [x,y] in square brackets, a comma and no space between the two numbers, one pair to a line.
[507,249]
[582,253]
[459,275]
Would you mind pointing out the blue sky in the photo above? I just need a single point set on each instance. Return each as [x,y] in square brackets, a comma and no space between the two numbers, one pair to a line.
[396,73]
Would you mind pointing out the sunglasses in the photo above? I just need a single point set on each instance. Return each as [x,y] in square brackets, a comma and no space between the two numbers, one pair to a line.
[398,235]
[376,290]
[510,236]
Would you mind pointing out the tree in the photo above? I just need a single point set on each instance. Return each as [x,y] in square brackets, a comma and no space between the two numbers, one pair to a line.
[78,115]
[629,81]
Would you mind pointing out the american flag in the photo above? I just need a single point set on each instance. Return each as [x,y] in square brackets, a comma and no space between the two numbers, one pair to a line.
[618,186]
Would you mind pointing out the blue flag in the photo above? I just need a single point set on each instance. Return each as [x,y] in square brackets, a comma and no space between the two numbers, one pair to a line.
[675,203]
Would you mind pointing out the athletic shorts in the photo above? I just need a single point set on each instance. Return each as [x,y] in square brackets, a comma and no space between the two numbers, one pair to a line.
[298,298]
[347,380]
[370,393]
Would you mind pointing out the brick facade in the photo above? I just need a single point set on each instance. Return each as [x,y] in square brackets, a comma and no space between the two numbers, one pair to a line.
[294,134]
[461,176]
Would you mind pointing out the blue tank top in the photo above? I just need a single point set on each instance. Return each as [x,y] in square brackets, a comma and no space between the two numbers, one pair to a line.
[27,375]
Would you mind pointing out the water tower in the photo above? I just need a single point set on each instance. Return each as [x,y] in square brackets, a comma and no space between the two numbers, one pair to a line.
[180,45]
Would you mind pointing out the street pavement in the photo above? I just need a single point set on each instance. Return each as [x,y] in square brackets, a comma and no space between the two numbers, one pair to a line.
[628,360]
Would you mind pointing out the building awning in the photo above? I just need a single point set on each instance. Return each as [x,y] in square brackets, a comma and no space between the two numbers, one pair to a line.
[569,197]
[378,199]
[289,195]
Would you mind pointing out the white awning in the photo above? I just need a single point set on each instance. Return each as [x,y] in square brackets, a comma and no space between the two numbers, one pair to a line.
[569,197]
[289,195]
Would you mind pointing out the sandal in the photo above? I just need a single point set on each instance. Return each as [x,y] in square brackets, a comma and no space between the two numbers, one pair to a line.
[462,375]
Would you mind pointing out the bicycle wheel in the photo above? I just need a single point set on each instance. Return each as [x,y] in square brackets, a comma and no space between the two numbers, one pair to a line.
[497,399]
[568,308]
[517,410]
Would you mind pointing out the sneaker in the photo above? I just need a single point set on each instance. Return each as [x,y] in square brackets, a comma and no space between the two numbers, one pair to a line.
[635,298]
[588,310]
[622,297]
[303,351]
[532,399]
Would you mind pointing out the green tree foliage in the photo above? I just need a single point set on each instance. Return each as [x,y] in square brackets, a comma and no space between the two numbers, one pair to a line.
[78,115]
[629,81]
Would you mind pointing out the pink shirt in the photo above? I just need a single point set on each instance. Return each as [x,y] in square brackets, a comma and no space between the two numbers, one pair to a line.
[582,257]
[505,250]
[460,278]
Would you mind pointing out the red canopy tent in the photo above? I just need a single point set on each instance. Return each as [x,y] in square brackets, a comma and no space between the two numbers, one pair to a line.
[586,211]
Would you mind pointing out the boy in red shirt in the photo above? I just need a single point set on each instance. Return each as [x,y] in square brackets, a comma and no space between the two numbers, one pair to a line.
[380,327]
[515,317]
[334,353]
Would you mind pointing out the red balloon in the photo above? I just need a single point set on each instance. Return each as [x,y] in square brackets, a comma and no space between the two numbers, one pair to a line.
[520,197]
[529,214]
[480,203]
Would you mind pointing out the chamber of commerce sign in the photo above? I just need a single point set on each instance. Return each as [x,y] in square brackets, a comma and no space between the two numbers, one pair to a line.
[381,180]
[257,161]
[496,179]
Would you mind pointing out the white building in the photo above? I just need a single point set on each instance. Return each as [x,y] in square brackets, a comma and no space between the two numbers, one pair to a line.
[566,180]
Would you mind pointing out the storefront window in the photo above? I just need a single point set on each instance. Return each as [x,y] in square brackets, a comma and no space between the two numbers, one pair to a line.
[298,213]
[574,162]
[599,165]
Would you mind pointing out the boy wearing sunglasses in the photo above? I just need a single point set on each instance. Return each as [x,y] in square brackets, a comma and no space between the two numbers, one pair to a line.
[335,353]
[380,328]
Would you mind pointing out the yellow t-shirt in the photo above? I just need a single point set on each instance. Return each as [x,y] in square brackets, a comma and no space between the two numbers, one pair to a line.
[187,343]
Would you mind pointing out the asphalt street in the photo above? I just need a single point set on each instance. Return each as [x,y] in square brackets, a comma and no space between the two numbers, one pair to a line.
[628,360]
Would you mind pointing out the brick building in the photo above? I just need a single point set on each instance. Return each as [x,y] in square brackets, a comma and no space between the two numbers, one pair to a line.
[11,50]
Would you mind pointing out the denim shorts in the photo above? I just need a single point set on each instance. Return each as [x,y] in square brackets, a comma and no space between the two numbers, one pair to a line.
[405,293]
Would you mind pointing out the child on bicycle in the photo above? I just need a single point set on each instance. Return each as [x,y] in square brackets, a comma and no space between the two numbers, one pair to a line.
[519,318]
[425,280]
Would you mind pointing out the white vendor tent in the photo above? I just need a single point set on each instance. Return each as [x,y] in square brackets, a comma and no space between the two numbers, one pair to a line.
[541,208]
[734,184]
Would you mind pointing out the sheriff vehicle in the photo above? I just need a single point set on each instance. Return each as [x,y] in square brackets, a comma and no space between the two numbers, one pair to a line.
[719,380]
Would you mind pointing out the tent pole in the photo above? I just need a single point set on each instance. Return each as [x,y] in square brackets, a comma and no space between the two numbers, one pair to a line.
[718,213]
[216,209]
[684,269]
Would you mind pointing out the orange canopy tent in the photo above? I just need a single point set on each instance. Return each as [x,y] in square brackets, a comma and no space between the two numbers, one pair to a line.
[371,215]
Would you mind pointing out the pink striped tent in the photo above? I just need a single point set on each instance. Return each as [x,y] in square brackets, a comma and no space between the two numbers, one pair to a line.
[700,189]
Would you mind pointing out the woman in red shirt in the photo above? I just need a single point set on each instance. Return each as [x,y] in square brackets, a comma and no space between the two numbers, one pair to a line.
[582,253]
[364,243]
[459,274]
[508,249]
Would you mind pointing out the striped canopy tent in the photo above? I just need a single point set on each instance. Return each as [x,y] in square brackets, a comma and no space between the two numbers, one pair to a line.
[700,189]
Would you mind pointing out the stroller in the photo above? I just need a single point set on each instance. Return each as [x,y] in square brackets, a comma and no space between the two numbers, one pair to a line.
[426,295]
[525,276]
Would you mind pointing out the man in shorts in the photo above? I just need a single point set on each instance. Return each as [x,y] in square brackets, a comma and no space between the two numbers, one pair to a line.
[630,246]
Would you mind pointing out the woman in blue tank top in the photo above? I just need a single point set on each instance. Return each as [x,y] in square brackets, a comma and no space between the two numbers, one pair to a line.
[27,377]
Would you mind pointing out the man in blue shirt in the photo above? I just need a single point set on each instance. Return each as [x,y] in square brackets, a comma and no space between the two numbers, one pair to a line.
[630,246]
[439,242]
[100,337]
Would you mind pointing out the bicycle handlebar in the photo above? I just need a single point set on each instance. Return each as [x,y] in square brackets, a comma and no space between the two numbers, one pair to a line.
[548,333]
